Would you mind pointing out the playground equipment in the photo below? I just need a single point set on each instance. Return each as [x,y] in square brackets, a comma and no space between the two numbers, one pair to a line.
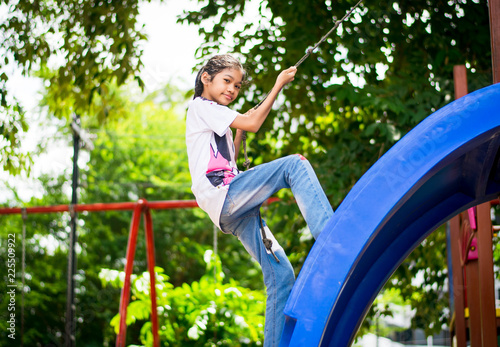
[448,163]
[420,183]
[139,208]
[472,282]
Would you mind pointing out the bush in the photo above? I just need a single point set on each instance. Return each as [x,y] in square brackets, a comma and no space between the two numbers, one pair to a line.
[204,313]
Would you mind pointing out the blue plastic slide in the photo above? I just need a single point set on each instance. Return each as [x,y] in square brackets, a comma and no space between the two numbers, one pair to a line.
[446,164]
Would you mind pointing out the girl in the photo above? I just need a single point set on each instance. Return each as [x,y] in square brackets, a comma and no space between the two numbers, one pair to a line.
[231,198]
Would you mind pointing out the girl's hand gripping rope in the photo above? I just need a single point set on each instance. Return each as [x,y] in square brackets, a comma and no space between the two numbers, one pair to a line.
[286,76]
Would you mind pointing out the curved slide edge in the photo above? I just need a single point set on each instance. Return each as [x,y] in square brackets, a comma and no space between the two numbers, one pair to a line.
[446,164]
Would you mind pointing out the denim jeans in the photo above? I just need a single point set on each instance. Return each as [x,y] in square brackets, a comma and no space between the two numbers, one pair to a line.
[240,217]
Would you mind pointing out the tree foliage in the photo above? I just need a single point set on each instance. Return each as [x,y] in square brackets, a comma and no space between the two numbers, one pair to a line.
[211,311]
[12,125]
[384,70]
[75,46]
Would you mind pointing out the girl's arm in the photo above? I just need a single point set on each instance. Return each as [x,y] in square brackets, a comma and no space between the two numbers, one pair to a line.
[253,119]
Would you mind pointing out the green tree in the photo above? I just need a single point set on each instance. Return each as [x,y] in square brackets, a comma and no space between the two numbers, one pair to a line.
[383,71]
[75,46]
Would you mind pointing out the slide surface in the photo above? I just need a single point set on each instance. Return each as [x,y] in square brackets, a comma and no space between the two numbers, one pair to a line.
[446,164]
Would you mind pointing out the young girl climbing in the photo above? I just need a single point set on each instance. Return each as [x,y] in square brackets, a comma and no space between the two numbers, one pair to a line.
[232,198]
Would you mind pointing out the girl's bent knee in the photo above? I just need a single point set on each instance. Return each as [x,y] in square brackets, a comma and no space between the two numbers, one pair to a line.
[301,157]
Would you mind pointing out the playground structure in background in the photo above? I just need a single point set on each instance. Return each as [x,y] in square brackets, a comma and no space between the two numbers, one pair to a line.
[470,248]
[447,164]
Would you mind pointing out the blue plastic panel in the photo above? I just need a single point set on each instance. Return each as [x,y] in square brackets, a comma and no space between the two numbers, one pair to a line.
[448,163]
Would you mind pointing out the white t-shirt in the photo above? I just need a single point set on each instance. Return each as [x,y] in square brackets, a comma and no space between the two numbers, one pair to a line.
[211,156]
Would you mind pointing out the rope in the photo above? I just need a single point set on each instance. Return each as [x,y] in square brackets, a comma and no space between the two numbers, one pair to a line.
[246,164]
[337,23]
[268,243]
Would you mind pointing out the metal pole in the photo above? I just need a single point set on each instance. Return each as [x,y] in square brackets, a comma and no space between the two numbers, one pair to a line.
[113,206]
[70,327]
[129,264]
[150,248]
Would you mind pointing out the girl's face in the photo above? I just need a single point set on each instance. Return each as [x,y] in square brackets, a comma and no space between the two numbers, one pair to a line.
[224,87]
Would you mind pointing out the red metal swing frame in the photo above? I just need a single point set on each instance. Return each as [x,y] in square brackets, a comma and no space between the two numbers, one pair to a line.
[139,208]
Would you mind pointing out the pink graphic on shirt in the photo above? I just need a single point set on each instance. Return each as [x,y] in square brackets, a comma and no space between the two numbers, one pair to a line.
[218,170]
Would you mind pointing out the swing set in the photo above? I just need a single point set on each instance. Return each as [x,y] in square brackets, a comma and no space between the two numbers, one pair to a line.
[140,208]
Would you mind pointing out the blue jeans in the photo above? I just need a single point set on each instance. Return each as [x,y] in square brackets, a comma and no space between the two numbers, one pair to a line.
[240,217]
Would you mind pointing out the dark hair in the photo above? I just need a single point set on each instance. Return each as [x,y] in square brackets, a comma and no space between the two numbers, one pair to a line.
[215,65]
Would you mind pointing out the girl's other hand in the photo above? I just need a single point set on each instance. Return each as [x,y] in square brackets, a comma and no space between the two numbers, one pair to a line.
[286,76]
